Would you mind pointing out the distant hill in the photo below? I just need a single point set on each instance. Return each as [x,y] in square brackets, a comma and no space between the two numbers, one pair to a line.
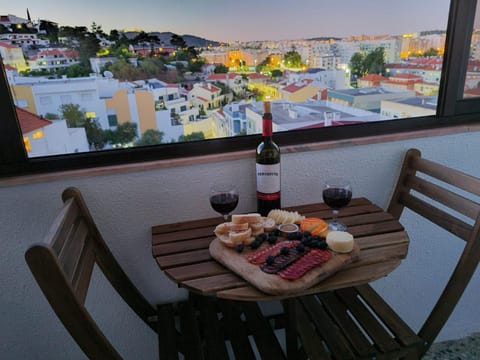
[165,37]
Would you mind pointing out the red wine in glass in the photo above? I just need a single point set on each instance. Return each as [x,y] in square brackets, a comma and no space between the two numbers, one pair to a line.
[224,199]
[337,193]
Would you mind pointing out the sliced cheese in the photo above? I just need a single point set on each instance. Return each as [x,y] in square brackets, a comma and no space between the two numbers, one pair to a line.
[340,241]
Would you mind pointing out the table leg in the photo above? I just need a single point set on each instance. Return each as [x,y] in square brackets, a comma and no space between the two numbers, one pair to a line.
[291,340]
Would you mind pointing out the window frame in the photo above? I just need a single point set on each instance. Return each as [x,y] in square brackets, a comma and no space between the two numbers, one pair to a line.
[452,110]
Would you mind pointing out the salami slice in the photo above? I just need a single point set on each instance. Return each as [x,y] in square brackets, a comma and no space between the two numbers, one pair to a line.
[300,267]
[281,261]
[259,256]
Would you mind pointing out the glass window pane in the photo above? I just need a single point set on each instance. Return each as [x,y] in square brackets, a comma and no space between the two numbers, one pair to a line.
[328,63]
[472,79]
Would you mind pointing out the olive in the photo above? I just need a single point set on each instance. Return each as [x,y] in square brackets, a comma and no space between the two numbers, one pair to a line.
[239,248]
[272,239]
[270,259]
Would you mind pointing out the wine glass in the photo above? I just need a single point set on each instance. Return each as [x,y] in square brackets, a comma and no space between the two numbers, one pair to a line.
[337,193]
[224,198]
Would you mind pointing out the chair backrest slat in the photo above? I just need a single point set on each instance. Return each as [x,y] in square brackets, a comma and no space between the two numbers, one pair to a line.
[62,266]
[62,226]
[69,256]
[83,272]
[448,198]
[450,176]
[437,216]
[444,196]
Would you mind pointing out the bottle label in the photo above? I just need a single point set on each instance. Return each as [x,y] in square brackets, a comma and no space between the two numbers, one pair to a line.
[268,180]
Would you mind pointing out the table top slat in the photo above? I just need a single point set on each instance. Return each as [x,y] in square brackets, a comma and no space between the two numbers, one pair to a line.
[193,271]
[181,246]
[213,284]
[184,258]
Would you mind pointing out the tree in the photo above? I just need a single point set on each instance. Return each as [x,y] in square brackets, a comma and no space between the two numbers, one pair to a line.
[75,70]
[221,69]
[125,134]
[178,41]
[51,29]
[293,59]
[276,73]
[357,64]
[150,137]
[96,136]
[430,52]
[73,115]
[194,136]
[375,61]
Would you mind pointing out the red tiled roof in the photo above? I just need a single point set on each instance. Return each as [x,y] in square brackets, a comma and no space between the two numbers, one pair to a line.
[202,99]
[55,52]
[406,76]
[334,123]
[221,76]
[7,46]
[293,88]
[373,77]
[29,121]
[473,92]
[210,88]
[255,76]
[9,67]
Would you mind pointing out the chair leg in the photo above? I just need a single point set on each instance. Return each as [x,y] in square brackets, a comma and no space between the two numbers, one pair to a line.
[167,333]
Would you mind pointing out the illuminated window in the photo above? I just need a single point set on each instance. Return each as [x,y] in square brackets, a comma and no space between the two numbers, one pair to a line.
[37,134]
[28,146]
[90,115]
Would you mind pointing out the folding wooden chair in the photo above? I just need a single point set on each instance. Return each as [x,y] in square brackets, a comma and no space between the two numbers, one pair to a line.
[355,322]
[198,328]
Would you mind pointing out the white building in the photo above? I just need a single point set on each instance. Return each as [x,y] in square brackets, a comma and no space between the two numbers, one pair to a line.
[53,59]
[44,137]
[44,96]
[23,40]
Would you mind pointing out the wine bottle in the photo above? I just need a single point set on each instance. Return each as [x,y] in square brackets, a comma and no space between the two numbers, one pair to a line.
[267,167]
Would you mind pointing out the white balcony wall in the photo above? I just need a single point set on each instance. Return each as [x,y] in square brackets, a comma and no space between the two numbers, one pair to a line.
[126,205]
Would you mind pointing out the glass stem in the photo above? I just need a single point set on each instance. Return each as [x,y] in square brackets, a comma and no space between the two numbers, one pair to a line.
[225,217]
[335,215]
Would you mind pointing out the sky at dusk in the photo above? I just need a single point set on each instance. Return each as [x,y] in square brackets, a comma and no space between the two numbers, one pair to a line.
[227,20]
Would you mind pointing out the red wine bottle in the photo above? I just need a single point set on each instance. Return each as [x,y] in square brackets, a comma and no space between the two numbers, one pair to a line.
[268,167]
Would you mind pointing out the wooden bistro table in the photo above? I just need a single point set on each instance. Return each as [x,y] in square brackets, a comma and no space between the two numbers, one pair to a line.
[182,252]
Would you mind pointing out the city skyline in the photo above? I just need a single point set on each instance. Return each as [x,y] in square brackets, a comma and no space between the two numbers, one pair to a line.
[249,20]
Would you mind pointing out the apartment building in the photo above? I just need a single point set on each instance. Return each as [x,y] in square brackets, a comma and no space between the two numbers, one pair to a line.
[13,55]
[367,98]
[53,59]
[206,96]
[409,107]
[24,40]
[44,137]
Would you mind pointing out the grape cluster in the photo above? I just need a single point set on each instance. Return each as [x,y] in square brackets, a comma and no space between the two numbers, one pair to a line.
[307,240]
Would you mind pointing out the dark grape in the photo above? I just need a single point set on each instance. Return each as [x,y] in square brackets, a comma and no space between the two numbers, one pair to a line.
[272,239]
[239,248]
[300,248]
[323,245]
[284,250]
[255,244]
[270,259]
[297,235]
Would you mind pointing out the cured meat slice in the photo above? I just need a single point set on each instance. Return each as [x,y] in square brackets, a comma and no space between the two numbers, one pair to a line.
[300,267]
[281,261]
[259,256]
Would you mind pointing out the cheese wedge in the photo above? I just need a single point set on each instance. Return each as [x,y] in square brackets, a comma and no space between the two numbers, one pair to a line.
[340,241]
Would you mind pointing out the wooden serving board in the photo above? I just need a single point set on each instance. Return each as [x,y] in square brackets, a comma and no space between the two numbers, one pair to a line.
[274,284]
